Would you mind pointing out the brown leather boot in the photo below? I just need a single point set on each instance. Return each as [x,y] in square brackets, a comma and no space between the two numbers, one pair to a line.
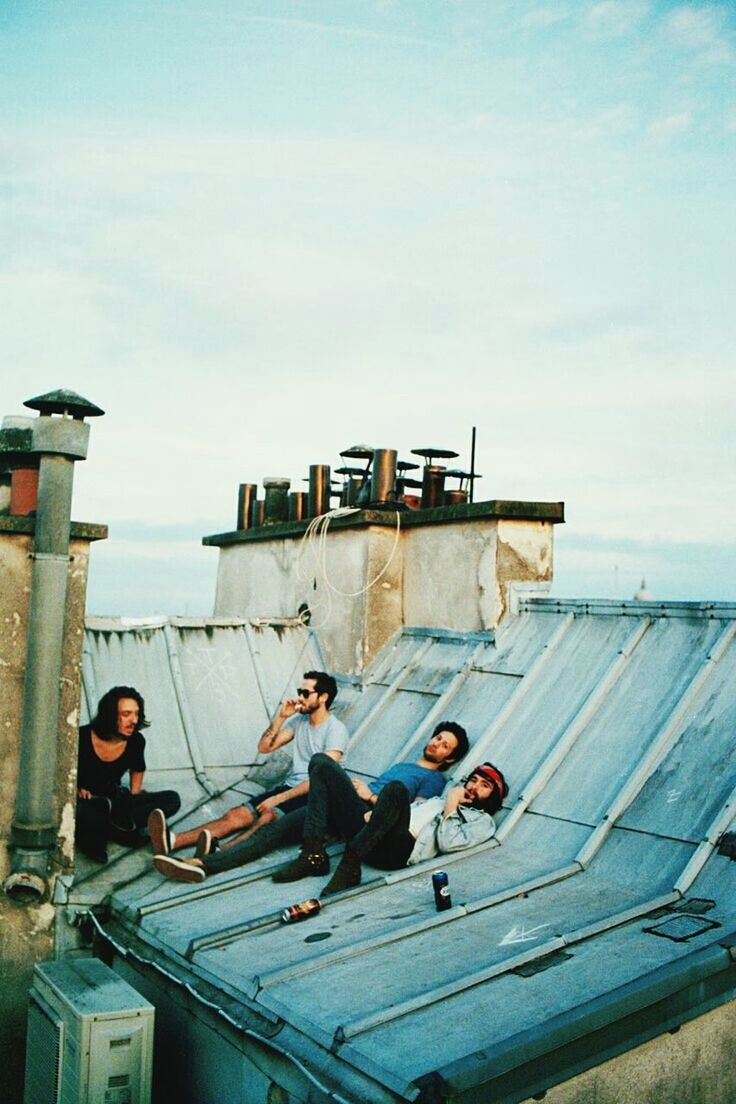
[346,876]
[311,861]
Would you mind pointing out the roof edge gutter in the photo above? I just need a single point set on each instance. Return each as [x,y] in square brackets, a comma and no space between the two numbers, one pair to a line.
[535,1060]
[288,1044]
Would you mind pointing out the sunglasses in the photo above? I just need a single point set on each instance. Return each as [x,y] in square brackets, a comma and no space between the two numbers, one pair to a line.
[304,693]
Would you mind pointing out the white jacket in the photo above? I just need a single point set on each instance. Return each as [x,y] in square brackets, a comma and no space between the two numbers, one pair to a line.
[466,827]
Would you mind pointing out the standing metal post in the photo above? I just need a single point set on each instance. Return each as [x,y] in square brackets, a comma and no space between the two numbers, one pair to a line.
[472,466]
[59,441]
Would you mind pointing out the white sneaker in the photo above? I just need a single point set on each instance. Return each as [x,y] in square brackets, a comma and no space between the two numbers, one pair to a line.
[179,870]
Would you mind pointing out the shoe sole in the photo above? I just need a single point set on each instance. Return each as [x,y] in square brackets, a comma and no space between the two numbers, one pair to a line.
[178,871]
[157,831]
[204,844]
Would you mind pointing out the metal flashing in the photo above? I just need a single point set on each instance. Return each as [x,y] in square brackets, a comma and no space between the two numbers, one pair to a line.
[607,730]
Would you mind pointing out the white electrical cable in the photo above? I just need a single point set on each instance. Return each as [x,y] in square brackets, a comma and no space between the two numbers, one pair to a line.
[374,580]
[316,533]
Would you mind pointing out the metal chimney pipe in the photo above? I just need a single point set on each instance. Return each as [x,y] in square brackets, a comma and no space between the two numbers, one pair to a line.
[59,441]
[383,475]
[257,513]
[19,467]
[349,494]
[433,486]
[276,499]
[246,493]
[319,489]
[297,505]
[5,480]
[23,491]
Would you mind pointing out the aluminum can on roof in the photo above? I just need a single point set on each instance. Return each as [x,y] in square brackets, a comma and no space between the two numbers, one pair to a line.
[301,911]
[441,887]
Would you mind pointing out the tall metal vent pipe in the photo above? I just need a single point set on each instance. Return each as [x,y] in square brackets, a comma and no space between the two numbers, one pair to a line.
[383,475]
[433,485]
[59,441]
[297,505]
[246,493]
[319,490]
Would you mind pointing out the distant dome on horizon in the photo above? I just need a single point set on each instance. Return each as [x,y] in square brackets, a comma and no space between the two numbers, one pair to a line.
[642,594]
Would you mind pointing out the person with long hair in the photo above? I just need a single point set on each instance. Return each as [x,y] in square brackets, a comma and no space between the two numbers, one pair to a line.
[110,747]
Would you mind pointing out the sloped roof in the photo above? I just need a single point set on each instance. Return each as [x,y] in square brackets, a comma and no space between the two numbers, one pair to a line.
[602,894]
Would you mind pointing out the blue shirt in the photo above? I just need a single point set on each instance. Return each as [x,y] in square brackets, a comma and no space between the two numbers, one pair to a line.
[419,781]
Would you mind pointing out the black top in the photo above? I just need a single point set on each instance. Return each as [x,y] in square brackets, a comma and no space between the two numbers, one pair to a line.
[99,777]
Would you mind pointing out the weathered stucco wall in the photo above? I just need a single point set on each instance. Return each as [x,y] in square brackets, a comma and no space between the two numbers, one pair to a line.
[523,555]
[27,931]
[450,576]
[274,578]
[695,1065]
[454,575]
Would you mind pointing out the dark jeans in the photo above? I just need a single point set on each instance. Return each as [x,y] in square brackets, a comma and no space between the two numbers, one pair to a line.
[121,817]
[284,830]
[335,809]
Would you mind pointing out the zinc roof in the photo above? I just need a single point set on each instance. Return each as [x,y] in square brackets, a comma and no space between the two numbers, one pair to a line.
[602,895]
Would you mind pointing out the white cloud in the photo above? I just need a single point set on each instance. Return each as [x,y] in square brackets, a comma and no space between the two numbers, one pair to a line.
[701,30]
[669,126]
[545,17]
[314,27]
[213,292]
[613,18]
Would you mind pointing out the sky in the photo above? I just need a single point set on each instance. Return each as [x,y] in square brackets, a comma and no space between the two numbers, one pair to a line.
[256,233]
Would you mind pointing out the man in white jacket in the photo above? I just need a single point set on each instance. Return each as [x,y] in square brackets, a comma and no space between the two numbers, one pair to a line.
[395,832]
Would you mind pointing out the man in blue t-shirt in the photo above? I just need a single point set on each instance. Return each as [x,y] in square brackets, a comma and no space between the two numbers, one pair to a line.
[334,799]
[336,808]
[306,720]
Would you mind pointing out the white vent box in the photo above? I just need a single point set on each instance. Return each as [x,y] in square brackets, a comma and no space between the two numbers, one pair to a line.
[90,1037]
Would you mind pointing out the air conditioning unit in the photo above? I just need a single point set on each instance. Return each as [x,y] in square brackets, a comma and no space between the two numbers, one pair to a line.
[90,1037]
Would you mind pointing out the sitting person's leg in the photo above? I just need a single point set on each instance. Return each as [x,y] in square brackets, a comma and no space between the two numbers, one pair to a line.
[124,828]
[282,831]
[92,827]
[143,804]
[235,820]
[384,841]
[266,814]
[333,808]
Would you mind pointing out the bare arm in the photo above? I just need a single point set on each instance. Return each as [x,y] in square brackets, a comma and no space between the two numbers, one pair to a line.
[454,799]
[279,798]
[364,792]
[275,736]
[136,782]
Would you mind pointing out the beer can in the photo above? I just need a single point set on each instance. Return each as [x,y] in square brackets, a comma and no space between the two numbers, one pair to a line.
[441,887]
[301,911]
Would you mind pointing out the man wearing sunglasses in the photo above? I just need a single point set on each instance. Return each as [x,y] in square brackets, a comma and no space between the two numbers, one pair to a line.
[304,719]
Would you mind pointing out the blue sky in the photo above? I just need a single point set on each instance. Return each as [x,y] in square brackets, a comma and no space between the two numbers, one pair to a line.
[256,233]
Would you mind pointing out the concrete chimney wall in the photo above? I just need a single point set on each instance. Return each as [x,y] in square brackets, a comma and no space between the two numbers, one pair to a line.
[27,930]
[452,568]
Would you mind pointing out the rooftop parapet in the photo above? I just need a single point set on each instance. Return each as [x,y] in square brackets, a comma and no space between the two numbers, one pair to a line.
[360,575]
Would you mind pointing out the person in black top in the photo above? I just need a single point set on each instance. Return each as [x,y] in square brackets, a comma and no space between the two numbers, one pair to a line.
[108,748]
